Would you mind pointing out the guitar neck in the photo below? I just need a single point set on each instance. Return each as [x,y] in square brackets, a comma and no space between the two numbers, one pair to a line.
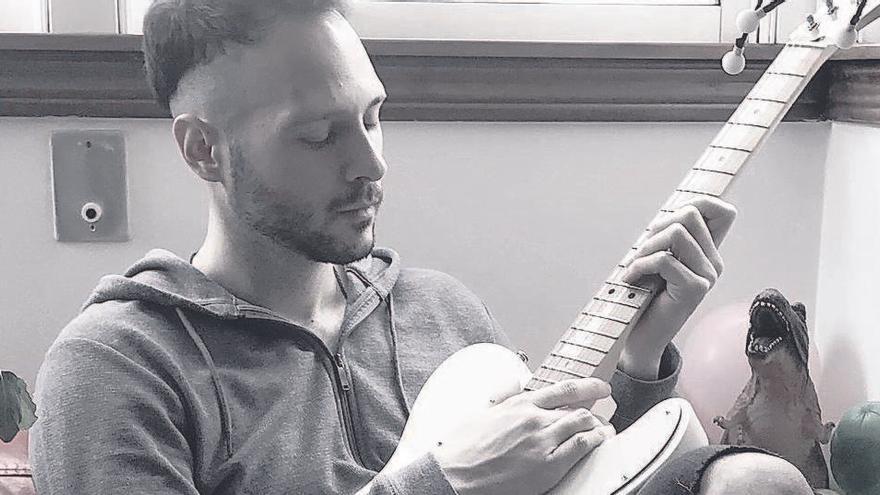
[592,344]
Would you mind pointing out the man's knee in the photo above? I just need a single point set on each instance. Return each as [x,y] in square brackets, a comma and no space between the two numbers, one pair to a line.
[753,473]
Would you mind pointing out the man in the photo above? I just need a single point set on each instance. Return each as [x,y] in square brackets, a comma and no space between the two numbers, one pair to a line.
[285,355]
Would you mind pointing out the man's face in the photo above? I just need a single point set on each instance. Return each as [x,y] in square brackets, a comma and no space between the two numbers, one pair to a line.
[305,147]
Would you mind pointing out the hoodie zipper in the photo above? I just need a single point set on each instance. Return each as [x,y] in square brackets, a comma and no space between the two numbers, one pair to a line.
[341,378]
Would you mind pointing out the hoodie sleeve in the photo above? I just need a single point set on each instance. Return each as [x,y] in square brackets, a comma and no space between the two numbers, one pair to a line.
[424,476]
[139,449]
[634,396]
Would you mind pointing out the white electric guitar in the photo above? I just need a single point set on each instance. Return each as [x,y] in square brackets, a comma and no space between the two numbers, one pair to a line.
[481,375]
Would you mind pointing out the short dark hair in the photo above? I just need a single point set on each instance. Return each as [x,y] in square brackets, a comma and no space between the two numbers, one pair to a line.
[180,35]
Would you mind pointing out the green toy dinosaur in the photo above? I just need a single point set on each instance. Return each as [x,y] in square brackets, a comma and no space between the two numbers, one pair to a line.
[778,409]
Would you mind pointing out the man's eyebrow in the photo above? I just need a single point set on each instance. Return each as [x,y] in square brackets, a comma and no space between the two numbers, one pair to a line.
[295,120]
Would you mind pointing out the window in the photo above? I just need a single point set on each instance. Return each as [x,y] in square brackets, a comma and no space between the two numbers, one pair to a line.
[619,21]
[693,21]
[23,16]
[131,15]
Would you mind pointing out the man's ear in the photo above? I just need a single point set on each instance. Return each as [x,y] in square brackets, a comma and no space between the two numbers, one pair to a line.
[196,140]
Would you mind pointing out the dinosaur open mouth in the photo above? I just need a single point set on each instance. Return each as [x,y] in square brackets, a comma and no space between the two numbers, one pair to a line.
[768,328]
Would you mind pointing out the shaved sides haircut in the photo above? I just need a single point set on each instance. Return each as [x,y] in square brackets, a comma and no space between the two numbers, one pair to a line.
[180,35]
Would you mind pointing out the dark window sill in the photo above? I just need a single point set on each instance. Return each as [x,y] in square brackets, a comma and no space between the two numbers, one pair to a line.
[102,76]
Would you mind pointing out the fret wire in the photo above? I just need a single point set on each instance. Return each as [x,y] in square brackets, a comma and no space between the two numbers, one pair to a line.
[594,315]
[771,100]
[796,60]
[567,372]
[715,184]
[723,160]
[740,137]
[611,310]
[729,148]
[628,286]
[777,86]
[800,45]
[584,361]
[546,374]
[622,303]
[714,171]
[552,375]
[591,349]
[704,193]
[593,332]
[746,124]
[762,113]
[585,346]
[785,74]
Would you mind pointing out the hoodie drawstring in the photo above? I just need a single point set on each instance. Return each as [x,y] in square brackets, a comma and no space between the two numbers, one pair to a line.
[394,358]
[221,399]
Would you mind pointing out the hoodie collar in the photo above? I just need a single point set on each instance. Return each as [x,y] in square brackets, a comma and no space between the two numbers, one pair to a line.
[162,277]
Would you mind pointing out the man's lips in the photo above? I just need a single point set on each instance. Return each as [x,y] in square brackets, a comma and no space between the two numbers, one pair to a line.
[359,206]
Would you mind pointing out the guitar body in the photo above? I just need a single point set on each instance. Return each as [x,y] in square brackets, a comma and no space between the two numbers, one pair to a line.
[472,378]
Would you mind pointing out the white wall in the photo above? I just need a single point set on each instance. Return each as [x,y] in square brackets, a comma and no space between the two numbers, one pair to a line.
[531,216]
[848,315]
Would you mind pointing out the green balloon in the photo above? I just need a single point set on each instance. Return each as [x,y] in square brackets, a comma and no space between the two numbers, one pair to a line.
[855,450]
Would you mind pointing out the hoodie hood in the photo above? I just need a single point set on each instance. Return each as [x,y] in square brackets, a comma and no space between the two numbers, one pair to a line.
[163,278]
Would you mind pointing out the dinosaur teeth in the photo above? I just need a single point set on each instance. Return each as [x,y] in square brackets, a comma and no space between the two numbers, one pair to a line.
[764,348]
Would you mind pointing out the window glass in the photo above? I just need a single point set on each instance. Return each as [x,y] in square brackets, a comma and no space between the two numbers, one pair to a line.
[131,15]
[694,21]
[23,16]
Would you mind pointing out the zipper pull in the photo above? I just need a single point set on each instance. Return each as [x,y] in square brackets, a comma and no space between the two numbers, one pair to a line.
[343,372]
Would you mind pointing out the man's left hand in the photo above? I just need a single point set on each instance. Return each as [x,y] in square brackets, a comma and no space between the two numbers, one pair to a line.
[682,249]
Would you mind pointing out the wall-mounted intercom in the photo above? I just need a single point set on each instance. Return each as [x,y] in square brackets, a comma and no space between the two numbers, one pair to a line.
[89,186]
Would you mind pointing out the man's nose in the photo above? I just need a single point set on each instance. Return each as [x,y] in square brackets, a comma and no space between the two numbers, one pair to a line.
[366,159]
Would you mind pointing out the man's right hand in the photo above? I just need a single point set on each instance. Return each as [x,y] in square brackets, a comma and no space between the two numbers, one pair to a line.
[527,443]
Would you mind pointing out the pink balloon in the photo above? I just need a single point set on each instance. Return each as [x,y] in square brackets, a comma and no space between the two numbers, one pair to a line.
[715,367]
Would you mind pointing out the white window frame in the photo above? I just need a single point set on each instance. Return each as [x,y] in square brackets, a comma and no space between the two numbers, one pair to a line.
[613,21]
[618,21]
[538,22]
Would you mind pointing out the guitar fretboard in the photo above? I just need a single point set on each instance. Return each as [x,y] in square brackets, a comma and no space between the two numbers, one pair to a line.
[591,346]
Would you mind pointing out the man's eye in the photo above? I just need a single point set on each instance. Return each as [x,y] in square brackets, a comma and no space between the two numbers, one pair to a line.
[318,144]
[371,125]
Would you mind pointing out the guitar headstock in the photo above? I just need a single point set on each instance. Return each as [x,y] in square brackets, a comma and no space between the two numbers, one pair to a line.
[835,22]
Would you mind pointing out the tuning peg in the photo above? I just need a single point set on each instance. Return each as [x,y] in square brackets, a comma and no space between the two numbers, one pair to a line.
[846,37]
[747,21]
[812,25]
[733,62]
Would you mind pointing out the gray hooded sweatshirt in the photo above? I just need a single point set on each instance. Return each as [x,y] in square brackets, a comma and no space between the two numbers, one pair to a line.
[166,383]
